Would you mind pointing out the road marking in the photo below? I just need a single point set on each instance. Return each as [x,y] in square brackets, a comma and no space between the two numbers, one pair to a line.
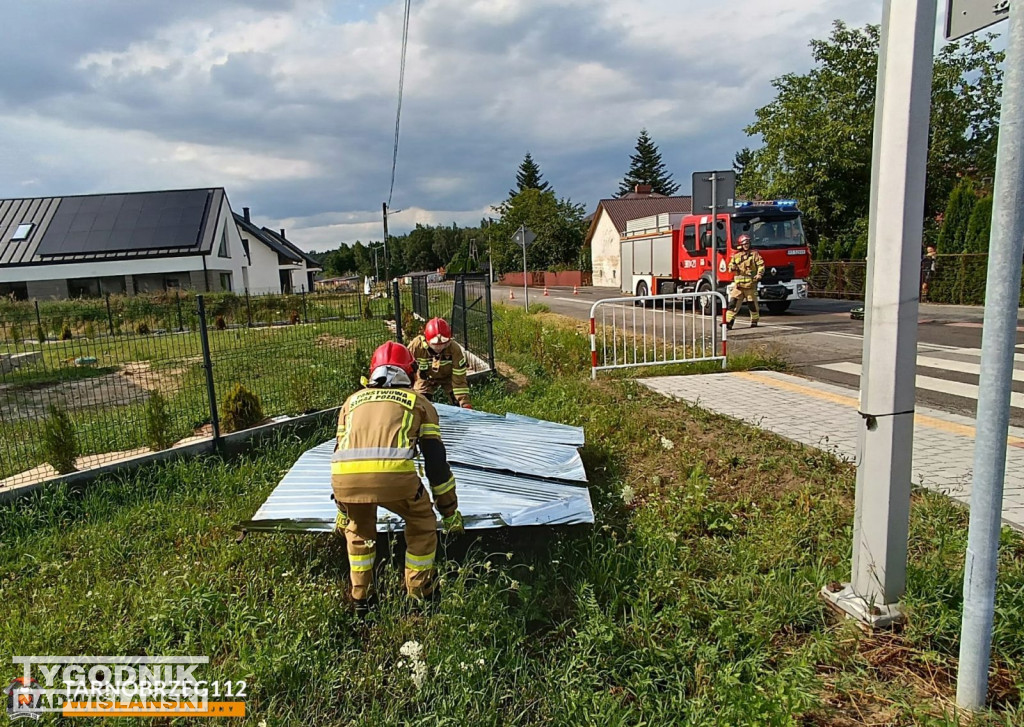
[929,383]
[976,352]
[962,366]
[922,419]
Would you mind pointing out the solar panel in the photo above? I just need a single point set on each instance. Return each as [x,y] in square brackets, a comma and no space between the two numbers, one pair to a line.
[113,223]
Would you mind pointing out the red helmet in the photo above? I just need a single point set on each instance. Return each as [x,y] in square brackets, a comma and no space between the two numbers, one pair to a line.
[743,239]
[393,354]
[437,331]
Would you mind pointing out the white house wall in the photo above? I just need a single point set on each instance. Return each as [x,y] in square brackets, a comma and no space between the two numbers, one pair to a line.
[605,252]
[236,261]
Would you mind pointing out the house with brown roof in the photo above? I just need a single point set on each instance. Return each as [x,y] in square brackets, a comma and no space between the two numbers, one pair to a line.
[609,222]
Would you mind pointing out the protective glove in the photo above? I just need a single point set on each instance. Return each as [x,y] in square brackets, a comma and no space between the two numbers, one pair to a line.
[452,524]
[467,406]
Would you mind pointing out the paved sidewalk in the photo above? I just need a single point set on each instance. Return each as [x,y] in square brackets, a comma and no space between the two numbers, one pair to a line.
[825,416]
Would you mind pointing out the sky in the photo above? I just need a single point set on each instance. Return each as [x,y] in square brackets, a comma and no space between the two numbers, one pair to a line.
[290,104]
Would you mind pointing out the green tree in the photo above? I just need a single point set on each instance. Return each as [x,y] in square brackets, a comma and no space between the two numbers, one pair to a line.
[816,134]
[739,163]
[957,218]
[646,167]
[979,229]
[558,224]
[528,177]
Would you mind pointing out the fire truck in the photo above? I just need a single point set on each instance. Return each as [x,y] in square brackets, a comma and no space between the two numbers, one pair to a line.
[671,253]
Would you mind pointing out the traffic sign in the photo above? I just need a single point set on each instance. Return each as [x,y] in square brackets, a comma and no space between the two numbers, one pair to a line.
[524,236]
[964,17]
[725,191]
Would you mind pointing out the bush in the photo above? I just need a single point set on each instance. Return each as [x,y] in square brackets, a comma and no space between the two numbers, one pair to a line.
[367,311]
[358,367]
[294,318]
[142,329]
[60,447]
[158,423]
[40,334]
[16,336]
[89,331]
[411,325]
[241,410]
[301,392]
[219,323]
[65,333]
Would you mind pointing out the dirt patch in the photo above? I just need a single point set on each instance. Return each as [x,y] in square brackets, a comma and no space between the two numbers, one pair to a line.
[142,374]
[515,381]
[330,341]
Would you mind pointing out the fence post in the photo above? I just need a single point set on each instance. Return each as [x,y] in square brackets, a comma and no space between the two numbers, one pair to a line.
[465,316]
[248,309]
[398,311]
[305,308]
[181,323]
[110,318]
[40,333]
[490,324]
[211,392]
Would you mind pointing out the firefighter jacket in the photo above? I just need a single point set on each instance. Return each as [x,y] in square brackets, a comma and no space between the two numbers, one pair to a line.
[446,369]
[378,432]
[748,266]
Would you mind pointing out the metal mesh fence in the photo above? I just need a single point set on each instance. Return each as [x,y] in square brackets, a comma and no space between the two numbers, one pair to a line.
[90,382]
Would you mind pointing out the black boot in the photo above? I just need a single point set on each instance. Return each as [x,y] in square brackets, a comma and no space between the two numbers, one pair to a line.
[363,607]
[753,324]
[728,324]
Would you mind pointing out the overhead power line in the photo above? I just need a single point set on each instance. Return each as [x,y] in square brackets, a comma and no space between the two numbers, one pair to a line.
[401,85]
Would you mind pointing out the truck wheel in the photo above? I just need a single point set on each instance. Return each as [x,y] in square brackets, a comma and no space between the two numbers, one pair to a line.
[708,305]
[778,307]
[641,290]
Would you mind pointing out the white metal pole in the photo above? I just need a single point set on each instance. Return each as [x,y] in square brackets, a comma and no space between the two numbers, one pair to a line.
[714,234]
[526,288]
[997,352]
[886,435]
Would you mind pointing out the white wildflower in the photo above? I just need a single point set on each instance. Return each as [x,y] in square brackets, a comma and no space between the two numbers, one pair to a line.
[480,662]
[263,723]
[463,666]
[286,574]
[667,443]
[514,585]
[628,495]
[370,543]
[89,594]
[413,650]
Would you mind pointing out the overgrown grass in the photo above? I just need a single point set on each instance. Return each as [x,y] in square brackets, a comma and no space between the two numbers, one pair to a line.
[691,601]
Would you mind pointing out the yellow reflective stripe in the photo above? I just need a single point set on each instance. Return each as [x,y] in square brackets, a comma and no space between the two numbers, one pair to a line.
[419,562]
[430,430]
[460,391]
[459,372]
[373,466]
[403,432]
[360,563]
[444,487]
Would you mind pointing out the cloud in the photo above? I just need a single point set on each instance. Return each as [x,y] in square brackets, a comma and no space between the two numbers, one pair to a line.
[290,104]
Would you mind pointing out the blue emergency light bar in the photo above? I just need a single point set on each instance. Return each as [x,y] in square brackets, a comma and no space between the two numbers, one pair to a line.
[782,203]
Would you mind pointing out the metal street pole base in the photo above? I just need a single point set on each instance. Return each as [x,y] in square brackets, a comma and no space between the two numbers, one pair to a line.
[869,617]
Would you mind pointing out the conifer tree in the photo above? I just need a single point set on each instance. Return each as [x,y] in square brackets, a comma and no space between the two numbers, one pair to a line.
[528,177]
[646,167]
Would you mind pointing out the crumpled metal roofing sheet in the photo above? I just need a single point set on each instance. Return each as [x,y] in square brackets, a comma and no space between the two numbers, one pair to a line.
[511,471]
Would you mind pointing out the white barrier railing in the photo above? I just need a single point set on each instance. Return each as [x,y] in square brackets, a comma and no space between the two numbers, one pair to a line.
[653,330]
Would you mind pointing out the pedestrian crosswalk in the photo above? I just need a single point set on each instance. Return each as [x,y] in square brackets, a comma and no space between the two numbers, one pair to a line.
[946,371]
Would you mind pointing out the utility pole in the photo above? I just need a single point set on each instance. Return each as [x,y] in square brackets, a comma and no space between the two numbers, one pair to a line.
[997,356]
[885,439]
[714,234]
[526,288]
[384,208]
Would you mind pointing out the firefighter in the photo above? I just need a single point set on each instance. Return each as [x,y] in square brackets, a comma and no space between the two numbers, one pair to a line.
[379,429]
[748,268]
[441,362]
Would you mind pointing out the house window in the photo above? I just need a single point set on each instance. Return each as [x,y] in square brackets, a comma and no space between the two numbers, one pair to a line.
[225,282]
[224,250]
[23,231]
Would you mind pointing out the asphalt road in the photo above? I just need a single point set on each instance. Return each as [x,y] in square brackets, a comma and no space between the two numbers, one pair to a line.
[820,341]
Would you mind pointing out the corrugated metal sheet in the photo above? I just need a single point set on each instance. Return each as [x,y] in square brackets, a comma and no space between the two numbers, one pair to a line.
[523,493]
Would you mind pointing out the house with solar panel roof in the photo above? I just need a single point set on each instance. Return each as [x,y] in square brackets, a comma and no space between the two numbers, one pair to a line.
[142,242]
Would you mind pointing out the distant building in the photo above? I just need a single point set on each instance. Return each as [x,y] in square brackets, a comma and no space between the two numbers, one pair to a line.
[609,221]
[141,242]
[349,283]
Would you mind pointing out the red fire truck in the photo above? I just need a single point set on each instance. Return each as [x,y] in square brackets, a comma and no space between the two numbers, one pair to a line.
[671,253]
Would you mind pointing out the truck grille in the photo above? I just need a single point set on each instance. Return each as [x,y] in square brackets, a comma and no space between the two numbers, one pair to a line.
[777,274]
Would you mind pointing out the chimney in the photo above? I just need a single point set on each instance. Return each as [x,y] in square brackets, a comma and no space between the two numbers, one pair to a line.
[282,232]
[245,214]
[643,189]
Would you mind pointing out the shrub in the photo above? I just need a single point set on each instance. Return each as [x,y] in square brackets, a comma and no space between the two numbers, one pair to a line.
[358,367]
[294,318]
[16,336]
[142,329]
[158,423]
[89,330]
[65,333]
[241,410]
[367,311]
[60,447]
[40,334]
[411,325]
[300,392]
[219,323]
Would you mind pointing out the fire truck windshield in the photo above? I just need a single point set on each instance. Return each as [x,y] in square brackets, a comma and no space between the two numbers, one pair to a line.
[767,232]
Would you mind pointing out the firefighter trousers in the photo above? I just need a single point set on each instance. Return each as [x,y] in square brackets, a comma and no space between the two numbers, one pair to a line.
[420,543]
[736,297]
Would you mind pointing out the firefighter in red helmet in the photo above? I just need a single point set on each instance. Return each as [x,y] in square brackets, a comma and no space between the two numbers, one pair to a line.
[441,362]
[379,430]
[747,267]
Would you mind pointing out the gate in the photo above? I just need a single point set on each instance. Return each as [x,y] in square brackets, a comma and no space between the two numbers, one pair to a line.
[420,298]
[657,329]
[472,324]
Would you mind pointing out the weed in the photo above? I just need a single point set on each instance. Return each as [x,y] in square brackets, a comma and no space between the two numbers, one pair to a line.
[241,410]
[142,328]
[60,446]
[65,333]
[89,330]
[158,422]
[294,318]
[219,323]
[16,336]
